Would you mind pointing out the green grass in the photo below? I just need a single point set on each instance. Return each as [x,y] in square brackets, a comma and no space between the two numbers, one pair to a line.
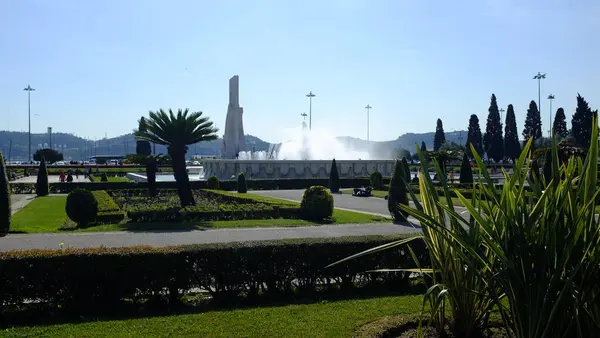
[47,214]
[43,214]
[325,319]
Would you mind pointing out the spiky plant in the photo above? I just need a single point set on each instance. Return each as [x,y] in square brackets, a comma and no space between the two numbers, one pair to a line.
[177,131]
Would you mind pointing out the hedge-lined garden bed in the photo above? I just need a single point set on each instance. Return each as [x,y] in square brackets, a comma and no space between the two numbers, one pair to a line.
[90,280]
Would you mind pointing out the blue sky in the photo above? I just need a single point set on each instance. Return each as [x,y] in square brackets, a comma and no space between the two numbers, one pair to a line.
[97,66]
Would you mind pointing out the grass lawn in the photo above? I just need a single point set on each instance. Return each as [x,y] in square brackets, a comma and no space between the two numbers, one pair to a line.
[325,319]
[40,215]
[47,214]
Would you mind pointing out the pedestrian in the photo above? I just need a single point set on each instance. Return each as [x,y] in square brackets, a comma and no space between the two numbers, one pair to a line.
[452,176]
[61,177]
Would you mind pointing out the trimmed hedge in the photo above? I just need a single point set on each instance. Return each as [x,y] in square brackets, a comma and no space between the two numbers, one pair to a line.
[108,210]
[104,277]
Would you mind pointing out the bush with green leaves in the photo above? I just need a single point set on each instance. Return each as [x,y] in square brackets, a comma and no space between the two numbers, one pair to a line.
[41,185]
[317,204]
[213,183]
[5,208]
[398,193]
[82,207]
[466,173]
[242,187]
[376,179]
[103,178]
[334,178]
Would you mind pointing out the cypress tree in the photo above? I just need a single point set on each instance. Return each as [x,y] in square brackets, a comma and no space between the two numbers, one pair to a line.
[474,137]
[5,208]
[533,123]
[142,147]
[559,126]
[466,174]
[581,123]
[334,178]
[423,147]
[406,169]
[494,145]
[512,147]
[242,188]
[41,186]
[439,137]
[397,194]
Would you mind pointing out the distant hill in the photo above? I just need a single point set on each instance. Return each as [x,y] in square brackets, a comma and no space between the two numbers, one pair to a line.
[77,148]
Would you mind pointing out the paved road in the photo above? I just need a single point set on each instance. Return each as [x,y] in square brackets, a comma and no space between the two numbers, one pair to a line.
[159,239]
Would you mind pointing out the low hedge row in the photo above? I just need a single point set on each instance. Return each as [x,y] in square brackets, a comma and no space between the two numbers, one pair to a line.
[108,210]
[100,278]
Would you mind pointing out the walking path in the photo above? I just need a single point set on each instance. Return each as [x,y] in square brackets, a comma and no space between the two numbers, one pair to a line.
[160,239]
[51,179]
[18,202]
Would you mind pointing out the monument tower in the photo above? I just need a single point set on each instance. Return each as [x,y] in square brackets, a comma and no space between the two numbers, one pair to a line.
[233,139]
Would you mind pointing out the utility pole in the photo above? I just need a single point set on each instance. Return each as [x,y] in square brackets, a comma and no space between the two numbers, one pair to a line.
[28,89]
[550,98]
[310,95]
[539,76]
[368,108]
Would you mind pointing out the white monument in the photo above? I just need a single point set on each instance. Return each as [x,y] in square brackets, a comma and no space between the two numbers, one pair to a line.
[233,139]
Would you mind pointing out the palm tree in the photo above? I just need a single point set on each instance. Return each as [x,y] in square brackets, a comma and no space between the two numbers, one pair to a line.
[177,131]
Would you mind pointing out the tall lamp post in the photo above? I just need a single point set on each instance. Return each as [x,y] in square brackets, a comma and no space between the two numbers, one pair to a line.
[550,98]
[539,76]
[501,110]
[310,95]
[368,108]
[29,90]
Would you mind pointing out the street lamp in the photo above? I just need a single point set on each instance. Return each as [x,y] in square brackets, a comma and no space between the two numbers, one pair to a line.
[501,110]
[368,108]
[550,98]
[29,90]
[310,95]
[539,76]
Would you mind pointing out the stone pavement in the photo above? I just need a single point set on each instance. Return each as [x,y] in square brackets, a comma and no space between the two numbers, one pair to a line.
[159,238]
[18,202]
[51,179]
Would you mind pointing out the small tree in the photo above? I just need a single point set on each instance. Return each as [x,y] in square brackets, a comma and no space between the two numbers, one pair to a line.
[41,185]
[439,137]
[466,174]
[376,179]
[334,178]
[49,155]
[423,147]
[397,194]
[242,188]
[5,209]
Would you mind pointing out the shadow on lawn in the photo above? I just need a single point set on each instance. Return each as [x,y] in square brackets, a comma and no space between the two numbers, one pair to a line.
[44,314]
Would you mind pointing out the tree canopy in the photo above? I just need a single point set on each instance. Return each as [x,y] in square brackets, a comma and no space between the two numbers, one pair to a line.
[533,123]
[560,124]
[440,136]
[581,124]
[493,143]
[474,137]
[512,146]
[50,155]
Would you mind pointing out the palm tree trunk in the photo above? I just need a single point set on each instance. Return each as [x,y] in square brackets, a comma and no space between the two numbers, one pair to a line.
[183,182]
[151,176]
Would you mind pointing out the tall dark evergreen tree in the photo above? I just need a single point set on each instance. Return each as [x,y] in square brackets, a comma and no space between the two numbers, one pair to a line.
[493,143]
[581,124]
[41,185]
[533,123]
[466,173]
[439,137]
[5,209]
[334,178]
[474,137]
[512,146]
[423,147]
[559,126]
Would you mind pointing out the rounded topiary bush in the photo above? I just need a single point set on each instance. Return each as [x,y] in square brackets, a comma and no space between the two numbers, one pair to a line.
[376,179]
[242,187]
[317,204]
[82,207]
[213,182]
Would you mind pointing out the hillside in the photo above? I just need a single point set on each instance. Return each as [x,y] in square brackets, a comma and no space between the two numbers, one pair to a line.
[77,148]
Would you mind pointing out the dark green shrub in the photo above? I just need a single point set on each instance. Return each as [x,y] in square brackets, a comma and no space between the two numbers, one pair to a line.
[5,209]
[334,178]
[82,207]
[397,193]
[242,187]
[103,178]
[548,166]
[317,204]
[41,185]
[376,179]
[466,173]
[213,183]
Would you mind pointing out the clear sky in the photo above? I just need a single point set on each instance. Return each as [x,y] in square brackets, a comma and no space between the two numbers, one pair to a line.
[97,66]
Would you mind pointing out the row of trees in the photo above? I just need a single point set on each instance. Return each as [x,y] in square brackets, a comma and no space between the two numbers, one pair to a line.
[498,145]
